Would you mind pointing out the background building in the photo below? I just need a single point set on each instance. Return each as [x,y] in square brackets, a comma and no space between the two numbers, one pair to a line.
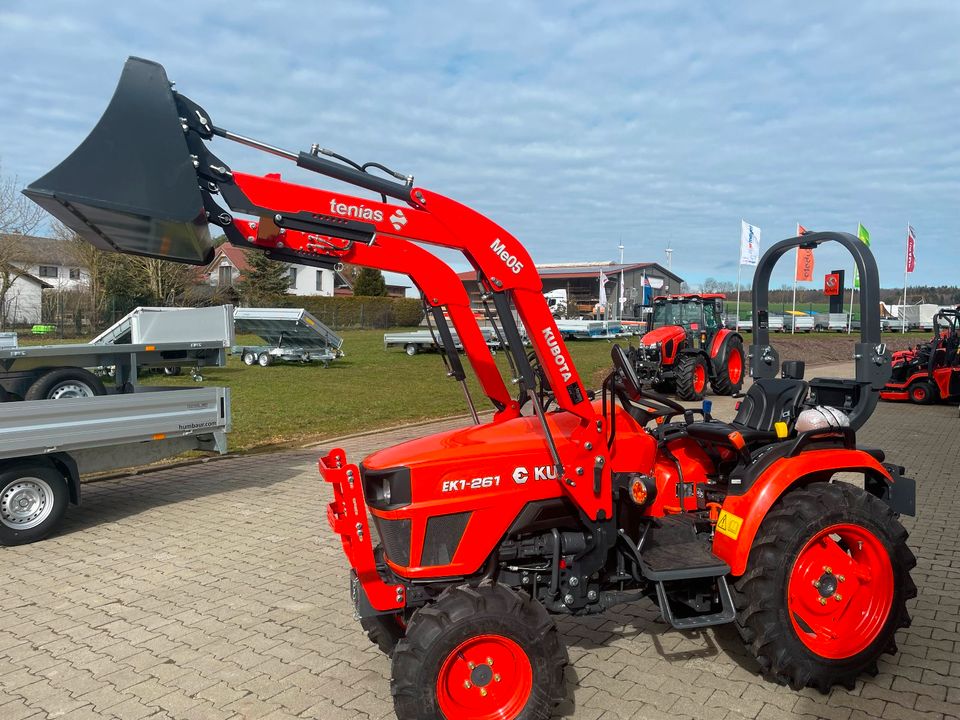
[581,282]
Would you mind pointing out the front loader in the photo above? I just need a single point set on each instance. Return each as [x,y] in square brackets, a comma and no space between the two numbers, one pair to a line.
[463,546]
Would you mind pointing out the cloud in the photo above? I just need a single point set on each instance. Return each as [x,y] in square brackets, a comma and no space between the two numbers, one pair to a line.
[572,124]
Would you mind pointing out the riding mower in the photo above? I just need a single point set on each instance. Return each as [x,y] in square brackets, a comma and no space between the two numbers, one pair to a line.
[688,345]
[463,545]
[931,371]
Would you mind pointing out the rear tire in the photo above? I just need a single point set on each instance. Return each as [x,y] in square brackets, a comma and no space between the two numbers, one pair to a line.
[817,543]
[33,501]
[249,358]
[484,651]
[922,393]
[65,383]
[729,378]
[265,359]
[691,377]
[410,349]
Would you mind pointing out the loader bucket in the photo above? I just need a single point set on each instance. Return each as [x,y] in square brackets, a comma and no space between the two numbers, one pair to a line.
[131,186]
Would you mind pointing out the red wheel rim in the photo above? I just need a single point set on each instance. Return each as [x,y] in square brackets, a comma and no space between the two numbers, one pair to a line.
[735,367]
[918,393]
[840,591]
[699,378]
[488,677]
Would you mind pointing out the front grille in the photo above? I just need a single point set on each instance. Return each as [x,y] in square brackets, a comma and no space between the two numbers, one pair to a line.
[442,538]
[395,536]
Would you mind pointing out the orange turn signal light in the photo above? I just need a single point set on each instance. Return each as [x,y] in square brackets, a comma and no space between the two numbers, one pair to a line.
[638,491]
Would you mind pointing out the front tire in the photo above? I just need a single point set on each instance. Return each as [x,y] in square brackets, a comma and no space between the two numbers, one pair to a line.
[479,652]
[826,587]
[691,377]
[922,393]
[729,378]
[33,500]
[384,631]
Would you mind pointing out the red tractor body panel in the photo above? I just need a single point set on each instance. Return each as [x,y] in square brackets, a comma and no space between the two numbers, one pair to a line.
[671,339]
[749,510]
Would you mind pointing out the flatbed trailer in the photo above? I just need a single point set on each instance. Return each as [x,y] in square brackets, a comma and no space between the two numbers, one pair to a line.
[418,341]
[146,339]
[46,445]
[289,334]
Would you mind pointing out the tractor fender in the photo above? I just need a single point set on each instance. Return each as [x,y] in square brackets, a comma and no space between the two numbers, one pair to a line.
[741,515]
[720,346]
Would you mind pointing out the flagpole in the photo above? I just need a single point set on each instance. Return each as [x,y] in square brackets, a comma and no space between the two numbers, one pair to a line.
[739,271]
[796,264]
[852,287]
[906,261]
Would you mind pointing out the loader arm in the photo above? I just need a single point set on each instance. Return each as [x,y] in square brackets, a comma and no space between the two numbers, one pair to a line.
[145,182]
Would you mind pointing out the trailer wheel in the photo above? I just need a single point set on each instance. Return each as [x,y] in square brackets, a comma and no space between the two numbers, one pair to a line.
[33,500]
[479,652]
[922,393]
[249,358]
[826,587]
[410,349]
[65,383]
[172,371]
[265,359]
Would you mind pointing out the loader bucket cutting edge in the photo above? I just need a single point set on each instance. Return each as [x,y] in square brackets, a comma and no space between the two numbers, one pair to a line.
[131,185]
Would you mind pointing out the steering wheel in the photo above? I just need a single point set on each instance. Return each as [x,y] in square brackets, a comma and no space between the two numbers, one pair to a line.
[661,404]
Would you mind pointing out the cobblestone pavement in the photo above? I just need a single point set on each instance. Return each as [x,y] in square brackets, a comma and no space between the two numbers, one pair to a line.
[217,591]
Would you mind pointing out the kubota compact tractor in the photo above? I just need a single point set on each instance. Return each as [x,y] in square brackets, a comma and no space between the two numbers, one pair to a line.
[562,503]
[931,371]
[687,346]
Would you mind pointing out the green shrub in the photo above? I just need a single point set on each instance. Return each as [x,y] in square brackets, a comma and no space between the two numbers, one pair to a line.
[348,311]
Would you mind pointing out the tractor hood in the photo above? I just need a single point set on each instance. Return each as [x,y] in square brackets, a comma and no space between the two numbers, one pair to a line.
[663,334]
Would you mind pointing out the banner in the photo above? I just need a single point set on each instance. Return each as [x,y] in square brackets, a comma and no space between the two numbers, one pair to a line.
[749,243]
[864,236]
[911,244]
[831,284]
[804,265]
[603,289]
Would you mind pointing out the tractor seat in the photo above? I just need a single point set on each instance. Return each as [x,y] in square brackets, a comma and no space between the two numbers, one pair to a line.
[769,401]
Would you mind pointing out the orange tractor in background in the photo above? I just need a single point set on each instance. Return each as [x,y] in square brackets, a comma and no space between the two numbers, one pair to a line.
[688,346]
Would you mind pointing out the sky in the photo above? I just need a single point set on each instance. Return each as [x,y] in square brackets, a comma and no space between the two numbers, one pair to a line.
[574,125]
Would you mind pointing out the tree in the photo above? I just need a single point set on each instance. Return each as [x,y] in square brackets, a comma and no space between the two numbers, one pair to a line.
[370,283]
[265,281]
[19,217]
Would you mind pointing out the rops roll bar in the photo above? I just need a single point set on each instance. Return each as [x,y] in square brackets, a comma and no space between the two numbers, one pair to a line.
[872,360]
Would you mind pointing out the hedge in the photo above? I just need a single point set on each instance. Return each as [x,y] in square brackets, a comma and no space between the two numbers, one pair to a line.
[350,311]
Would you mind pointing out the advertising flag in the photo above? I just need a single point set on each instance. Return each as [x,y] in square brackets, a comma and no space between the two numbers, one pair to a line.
[603,289]
[647,291]
[804,271]
[864,236]
[911,249]
[749,243]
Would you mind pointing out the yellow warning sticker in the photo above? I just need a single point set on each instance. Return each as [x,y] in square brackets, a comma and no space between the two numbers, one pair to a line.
[729,525]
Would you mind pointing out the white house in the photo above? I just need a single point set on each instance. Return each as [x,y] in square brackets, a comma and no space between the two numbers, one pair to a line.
[51,260]
[230,262]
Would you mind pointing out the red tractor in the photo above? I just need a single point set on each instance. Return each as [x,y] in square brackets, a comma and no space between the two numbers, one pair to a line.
[463,545]
[930,372]
[687,346]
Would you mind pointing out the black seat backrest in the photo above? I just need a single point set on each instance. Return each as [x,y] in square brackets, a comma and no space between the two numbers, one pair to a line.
[770,400]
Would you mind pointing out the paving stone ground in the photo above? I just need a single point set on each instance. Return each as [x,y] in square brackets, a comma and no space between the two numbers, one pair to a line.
[217,591]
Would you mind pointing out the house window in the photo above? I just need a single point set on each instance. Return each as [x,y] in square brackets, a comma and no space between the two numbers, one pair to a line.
[48,271]
[319,280]
[74,273]
[225,276]
[293,277]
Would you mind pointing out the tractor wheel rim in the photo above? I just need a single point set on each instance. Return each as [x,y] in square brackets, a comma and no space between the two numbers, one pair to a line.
[735,367]
[840,591]
[69,390]
[919,393]
[699,378]
[488,677]
[26,503]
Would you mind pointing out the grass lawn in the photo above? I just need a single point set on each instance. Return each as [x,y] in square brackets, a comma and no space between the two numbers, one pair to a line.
[374,388]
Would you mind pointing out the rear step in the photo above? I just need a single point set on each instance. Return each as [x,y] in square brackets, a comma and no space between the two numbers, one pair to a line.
[673,553]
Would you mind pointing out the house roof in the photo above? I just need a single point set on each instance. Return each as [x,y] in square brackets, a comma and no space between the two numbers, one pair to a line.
[235,255]
[35,250]
[44,285]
